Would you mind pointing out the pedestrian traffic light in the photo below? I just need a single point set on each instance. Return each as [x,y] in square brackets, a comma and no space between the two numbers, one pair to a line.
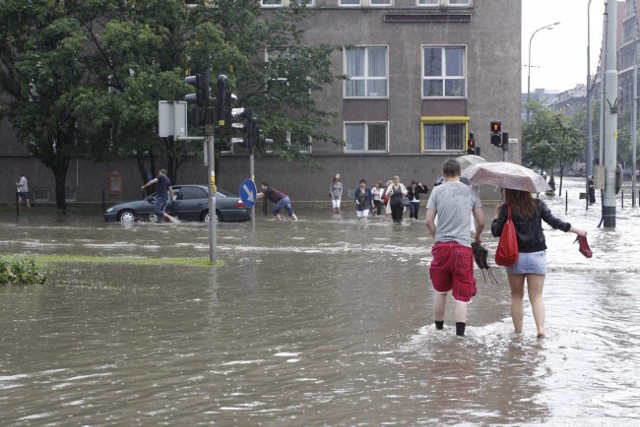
[471,144]
[496,133]
[224,102]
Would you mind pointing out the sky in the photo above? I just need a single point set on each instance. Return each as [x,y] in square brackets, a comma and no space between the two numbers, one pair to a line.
[559,56]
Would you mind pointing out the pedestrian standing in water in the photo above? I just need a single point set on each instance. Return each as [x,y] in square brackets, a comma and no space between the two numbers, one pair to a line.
[281,200]
[396,192]
[363,200]
[527,214]
[451,268]
[335,193]
[413,193]
[23,190]
[377,192]
[592,191]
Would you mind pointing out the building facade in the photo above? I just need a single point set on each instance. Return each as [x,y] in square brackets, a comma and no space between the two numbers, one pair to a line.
[423,75]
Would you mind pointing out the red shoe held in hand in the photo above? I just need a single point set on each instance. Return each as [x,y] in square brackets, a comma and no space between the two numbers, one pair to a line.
[584,246]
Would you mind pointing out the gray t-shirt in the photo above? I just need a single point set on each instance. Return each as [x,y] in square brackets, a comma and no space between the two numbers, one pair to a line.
[453,202]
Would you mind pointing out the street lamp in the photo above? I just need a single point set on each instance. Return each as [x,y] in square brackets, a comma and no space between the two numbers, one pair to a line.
[546,27]
[589,154]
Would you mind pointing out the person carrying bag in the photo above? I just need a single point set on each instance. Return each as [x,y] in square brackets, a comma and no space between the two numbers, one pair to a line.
[507,252]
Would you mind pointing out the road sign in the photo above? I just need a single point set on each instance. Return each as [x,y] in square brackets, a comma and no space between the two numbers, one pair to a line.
[248,192]
[513,140]
[172,119]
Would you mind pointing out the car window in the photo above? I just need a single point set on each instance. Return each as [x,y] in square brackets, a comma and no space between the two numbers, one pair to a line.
[190,193]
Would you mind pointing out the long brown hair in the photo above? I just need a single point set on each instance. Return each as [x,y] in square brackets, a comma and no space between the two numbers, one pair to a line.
[522,204]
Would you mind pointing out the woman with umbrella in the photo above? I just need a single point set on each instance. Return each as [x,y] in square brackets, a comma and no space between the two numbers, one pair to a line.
[527,214]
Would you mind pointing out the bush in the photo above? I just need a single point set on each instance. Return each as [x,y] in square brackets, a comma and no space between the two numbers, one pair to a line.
[19,270]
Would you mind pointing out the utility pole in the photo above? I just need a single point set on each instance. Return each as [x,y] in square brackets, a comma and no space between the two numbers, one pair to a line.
[634,130]
[610,117]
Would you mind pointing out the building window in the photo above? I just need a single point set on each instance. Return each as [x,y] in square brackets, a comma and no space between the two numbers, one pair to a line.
[71,193]
[366,68]
[374,3]
[366,137]
[444,133]
[40,194]
[285,3]
[443,73]
[444,2]
[299,141]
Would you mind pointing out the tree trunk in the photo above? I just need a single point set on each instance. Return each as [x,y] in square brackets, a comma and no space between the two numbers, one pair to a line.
[60,175]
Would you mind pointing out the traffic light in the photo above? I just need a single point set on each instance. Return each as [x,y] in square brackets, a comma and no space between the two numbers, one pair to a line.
[200,97]
[496,133]
[202,93]
[471,144]
[224,101]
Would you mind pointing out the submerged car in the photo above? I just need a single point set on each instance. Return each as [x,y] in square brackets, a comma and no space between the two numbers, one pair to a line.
[190,203]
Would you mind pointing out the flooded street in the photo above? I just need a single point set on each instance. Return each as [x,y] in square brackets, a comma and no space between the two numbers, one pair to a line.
[318,322]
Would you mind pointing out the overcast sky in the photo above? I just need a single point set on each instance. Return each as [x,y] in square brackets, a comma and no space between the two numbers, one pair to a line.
[559,56]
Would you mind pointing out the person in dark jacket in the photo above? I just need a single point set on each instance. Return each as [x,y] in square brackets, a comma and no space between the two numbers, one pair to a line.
[527,214]
[413,193]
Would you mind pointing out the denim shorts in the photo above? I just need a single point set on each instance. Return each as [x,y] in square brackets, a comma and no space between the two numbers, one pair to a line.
[530,263]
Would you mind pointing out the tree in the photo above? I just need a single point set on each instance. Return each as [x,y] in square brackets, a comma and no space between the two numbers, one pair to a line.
[280,91]
[99,68]
[138,58]
[142,54]
[41,68]
[552,139]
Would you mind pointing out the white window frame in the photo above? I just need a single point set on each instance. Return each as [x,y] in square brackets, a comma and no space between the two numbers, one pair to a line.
[366,78]
[443,121]
[366,125]
[365,3]
[284,3]
[307,149]
[445,78]
[438,3]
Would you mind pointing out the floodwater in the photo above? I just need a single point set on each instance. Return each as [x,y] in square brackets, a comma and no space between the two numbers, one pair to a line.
[320,322]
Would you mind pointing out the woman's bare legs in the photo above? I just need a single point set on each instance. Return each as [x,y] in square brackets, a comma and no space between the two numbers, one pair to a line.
[516,282]
[535,285]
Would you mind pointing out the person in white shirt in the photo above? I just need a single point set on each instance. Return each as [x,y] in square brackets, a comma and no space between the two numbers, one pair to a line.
[23,190]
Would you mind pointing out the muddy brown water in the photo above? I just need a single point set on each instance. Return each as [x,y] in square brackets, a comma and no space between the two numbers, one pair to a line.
[326,321]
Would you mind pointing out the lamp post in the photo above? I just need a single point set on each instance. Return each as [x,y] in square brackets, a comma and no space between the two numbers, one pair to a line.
[589,154]
[545,27]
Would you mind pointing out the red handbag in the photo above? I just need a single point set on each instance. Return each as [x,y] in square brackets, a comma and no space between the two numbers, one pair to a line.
[507,252]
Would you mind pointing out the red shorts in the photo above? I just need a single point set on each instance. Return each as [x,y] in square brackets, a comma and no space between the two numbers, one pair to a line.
[452,270]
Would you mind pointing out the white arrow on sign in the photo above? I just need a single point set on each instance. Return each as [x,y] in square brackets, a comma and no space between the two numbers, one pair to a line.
[251,197]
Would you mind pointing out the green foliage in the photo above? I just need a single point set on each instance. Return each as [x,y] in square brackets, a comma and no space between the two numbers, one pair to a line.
[553,141]
[19,270]
[86,77]
[42,51]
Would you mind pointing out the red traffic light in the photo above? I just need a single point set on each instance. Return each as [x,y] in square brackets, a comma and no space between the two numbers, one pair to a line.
[496,126]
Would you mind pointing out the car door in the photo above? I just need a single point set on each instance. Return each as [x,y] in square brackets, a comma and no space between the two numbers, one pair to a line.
[191,201]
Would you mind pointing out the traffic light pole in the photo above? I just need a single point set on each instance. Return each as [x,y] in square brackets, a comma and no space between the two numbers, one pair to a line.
[213,219]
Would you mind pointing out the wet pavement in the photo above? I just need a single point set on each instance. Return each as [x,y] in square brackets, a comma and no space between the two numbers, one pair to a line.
[324,321]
